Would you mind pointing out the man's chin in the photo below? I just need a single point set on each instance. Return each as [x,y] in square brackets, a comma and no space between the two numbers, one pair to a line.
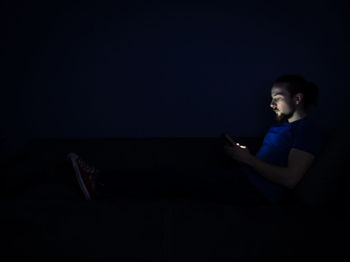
[282,117]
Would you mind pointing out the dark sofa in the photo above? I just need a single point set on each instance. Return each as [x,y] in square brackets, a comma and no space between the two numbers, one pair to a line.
[45,216]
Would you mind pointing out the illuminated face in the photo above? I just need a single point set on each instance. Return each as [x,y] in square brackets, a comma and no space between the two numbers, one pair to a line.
[281,103]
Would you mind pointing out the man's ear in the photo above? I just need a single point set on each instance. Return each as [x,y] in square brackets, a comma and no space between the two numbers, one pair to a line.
[298,98]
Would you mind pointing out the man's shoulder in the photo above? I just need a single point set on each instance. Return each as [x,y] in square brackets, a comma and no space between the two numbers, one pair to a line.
[306,124]
[308,136]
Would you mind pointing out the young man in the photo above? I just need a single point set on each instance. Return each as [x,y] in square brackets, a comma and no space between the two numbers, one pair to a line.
[288,150]
[290,147]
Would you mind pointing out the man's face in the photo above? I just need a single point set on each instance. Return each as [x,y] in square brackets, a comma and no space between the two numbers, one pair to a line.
[281,103]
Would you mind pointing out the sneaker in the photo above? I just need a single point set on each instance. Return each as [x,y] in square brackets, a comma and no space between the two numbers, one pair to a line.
[85,174]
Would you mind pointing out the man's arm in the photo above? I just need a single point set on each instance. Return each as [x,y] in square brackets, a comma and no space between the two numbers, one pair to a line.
[298,163]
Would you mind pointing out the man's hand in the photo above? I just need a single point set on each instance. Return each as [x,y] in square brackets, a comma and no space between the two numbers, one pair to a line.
[238,152]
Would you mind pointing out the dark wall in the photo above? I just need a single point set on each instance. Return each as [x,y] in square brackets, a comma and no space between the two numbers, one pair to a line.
[165,68]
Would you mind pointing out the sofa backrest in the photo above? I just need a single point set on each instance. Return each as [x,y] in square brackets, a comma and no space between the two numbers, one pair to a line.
[112,153]
[326,183]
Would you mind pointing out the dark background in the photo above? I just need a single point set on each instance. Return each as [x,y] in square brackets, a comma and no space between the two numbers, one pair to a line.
[165,68]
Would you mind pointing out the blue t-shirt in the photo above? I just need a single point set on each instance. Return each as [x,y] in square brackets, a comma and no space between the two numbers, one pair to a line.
[303,134]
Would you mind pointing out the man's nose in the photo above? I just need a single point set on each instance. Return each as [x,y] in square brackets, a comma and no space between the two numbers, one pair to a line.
[272,104]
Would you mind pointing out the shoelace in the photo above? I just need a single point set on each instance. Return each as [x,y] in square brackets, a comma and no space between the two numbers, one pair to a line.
[86,167]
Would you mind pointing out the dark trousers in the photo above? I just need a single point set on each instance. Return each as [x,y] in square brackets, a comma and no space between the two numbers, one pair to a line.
[229,186]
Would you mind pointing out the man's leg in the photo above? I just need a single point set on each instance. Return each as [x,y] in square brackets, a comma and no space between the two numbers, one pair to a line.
[221,185]
[134,182]
[230,186]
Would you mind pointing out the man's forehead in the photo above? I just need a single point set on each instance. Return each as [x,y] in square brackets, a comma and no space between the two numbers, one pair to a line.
[278,90]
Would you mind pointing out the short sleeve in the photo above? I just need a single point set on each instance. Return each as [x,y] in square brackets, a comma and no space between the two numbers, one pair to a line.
[308,138]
